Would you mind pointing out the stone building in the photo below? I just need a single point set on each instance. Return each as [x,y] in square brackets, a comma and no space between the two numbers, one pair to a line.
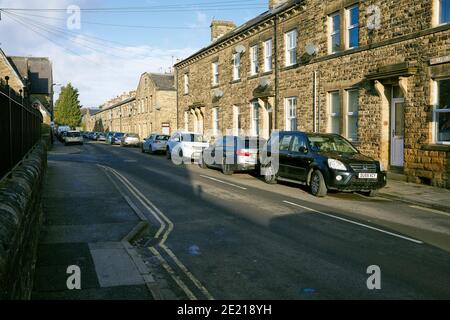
[33,78]
[151,108]
[37,74]
[376,72]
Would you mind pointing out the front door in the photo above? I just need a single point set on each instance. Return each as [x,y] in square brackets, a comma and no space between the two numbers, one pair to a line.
[397,131]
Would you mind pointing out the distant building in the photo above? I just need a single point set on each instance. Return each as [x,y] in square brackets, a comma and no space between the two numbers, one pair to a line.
[33,78]
[37,74]
[151,108]
[7,69]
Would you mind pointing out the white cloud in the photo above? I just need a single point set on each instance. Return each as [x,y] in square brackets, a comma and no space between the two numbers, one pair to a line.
[99,74]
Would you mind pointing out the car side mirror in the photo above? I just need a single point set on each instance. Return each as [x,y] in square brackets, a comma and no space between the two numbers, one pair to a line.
[303,150]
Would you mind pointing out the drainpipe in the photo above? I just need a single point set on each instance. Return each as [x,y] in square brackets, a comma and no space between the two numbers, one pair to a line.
[275,38]
[314,101]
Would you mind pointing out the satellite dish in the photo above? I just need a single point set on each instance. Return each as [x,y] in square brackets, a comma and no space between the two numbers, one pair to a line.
[311,49]
[218,93]
[239,48]
[264,82]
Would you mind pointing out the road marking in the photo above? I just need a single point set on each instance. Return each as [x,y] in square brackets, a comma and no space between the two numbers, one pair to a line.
[173,274]
[167,230]
[431,210]
[224,182]
[354,222]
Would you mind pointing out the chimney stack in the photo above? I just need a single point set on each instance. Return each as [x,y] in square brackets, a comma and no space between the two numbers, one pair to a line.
[219,28]
[276,3]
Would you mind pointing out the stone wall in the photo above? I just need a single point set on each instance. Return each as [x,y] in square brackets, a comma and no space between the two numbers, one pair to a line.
[20,222]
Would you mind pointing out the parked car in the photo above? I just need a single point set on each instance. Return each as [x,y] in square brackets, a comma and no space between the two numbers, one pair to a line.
[188,145]
[101,137]
[109,137]
[155,143]
[117,137]
[73,137]
[232,153]
[324,162]
[130,139]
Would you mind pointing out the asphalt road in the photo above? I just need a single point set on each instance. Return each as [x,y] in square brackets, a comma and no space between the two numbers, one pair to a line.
[236,237]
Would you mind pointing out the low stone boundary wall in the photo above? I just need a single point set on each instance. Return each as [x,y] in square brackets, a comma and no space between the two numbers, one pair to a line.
[21,217]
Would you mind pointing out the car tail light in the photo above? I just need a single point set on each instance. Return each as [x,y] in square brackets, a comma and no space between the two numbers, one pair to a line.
[243,153]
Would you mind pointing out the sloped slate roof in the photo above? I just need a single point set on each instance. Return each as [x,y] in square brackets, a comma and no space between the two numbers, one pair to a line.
[163,81]
[247,25]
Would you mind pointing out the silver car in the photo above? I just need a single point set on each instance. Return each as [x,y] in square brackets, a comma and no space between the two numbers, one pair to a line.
[130,139]
[155,143]
[73,137]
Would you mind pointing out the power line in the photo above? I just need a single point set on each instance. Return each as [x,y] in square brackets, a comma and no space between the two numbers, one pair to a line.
[69,37]
[196,6]
[109,24]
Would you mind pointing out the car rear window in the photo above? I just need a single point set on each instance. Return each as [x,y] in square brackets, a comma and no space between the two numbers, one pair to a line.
[190,137]
[119,135]
[73,134]
[133,135]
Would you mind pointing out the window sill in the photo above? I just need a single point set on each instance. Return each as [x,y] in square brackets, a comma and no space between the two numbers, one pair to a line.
[253,76]
[214,86]
[266,73]
[235,81]
[294,66]
[436,147]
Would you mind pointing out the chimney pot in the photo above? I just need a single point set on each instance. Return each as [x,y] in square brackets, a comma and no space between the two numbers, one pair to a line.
[219,28]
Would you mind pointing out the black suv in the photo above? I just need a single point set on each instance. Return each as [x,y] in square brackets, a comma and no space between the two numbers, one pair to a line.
[322,161]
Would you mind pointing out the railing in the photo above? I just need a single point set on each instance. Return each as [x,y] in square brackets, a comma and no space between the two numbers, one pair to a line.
[20,129]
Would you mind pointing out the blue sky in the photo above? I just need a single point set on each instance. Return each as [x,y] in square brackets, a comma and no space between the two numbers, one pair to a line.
[102,70]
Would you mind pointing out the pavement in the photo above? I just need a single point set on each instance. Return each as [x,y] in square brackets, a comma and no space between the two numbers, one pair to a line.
[231,237]
[431,197]
[86,225]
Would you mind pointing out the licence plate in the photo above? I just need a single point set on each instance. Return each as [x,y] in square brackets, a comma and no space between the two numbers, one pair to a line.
[368,176]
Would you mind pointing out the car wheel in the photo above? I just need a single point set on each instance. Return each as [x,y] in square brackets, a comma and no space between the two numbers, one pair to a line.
[202,163]
[226,169]
[317,184]
[169,156]
[371,193]
[142,149]
[270,177]
[151,150]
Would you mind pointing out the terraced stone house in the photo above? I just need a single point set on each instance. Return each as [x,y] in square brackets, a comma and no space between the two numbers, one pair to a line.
[376,72]
[150,108]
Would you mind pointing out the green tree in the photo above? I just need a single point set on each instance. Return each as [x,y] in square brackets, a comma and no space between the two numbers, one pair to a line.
[67,107]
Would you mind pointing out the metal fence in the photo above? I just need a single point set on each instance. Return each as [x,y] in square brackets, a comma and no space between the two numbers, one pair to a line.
[20,129]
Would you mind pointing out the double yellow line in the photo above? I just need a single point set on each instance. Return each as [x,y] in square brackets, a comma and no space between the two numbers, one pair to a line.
[166,227]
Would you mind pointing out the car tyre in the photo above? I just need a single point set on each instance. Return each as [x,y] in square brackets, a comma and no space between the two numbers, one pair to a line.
[371,193]
[169,156]
[317,184]
[202,163]
[270,177]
